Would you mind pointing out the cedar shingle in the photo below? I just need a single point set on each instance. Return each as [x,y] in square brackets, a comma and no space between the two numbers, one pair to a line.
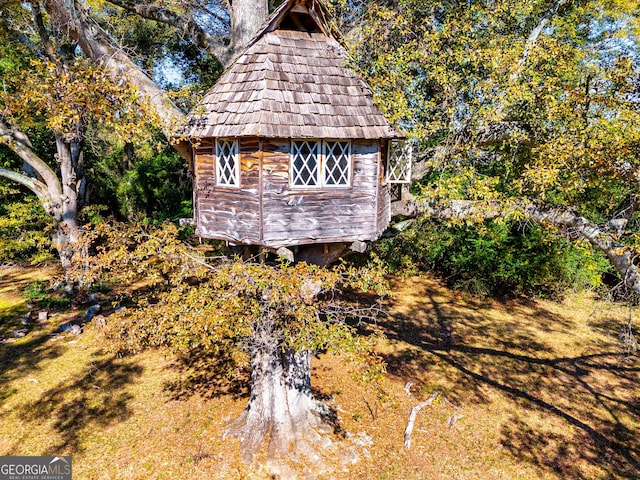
[289,84]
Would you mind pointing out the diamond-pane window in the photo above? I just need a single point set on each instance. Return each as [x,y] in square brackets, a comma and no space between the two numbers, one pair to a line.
[316,163]
[305,163]
[227,163]
[399,162]
[337,164]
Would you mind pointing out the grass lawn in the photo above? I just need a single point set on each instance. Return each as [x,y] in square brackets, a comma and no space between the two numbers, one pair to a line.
[529,389]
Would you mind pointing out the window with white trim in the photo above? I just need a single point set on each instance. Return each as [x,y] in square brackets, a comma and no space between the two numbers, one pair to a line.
[336,170]
[399,162]
[305,160]
[227,163]
[316,163]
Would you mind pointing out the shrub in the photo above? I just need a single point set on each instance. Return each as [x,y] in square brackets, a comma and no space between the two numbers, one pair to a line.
[24,229]
[496,258]
[38,292]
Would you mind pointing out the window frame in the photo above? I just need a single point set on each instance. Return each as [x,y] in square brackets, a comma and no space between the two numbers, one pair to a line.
[236,167]
[321,149]
[399,161]
[292,152]
[324,164]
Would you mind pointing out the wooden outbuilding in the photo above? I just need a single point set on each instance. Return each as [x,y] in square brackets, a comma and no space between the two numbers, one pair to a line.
[289,148]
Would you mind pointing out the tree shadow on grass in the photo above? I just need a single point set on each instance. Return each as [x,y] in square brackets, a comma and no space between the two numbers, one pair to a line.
[595,392]
[210,377]
[10,319]
[94,400]
[24,358]
[13,281]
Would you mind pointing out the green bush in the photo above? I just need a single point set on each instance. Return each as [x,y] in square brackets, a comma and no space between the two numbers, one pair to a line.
[35,291]
[24,229]
[156,187]
[39,293]
[495,258]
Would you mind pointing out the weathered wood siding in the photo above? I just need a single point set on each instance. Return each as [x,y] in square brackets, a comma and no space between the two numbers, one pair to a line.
[228,213]
[322,215]
[384,194]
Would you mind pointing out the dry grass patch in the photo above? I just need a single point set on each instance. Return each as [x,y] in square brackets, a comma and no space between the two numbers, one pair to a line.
[13,281]
[546,384]
[529,390]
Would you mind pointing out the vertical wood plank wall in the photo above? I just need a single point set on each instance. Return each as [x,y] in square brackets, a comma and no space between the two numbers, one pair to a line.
[288,217]
[298,217]
[384,192]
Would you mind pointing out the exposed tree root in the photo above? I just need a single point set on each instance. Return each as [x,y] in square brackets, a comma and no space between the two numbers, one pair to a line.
[300,433]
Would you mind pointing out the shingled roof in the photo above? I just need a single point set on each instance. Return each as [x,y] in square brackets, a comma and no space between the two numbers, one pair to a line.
[290,84]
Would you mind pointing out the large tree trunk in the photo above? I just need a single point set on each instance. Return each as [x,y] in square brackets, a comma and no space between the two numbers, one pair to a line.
[60,197]
[70,157]
[247,16]
[281,408]
[66,241]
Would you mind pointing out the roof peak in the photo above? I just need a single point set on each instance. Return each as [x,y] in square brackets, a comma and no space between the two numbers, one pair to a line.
[298,15]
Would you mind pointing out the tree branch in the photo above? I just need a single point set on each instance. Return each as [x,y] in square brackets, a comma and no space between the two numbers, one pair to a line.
[533,38]
[19,142]
[186,24]
[36,186]
[72,17]
[42,30]
[412,418]
[603,238]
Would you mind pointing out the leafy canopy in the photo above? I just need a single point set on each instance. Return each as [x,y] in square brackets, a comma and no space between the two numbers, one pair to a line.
[218,306]
[497,116]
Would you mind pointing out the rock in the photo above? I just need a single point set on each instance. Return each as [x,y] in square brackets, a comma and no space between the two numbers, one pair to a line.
[358,246]
[43,316]
[74,330]
[287,254]
[99,322]
[91,312]
[70,328]
[95,297]
[26,319]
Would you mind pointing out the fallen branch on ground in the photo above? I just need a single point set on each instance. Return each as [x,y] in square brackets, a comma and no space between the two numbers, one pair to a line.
[412,418]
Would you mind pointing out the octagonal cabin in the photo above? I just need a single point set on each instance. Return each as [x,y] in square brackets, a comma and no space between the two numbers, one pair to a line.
[289,148]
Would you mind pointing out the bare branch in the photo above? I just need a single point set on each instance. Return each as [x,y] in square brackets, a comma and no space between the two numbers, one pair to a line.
[37,187]
[412,418]
[19,142]
[533,38]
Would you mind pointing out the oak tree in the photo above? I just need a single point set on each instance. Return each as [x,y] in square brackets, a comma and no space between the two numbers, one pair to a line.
[266,317]
[523,111]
